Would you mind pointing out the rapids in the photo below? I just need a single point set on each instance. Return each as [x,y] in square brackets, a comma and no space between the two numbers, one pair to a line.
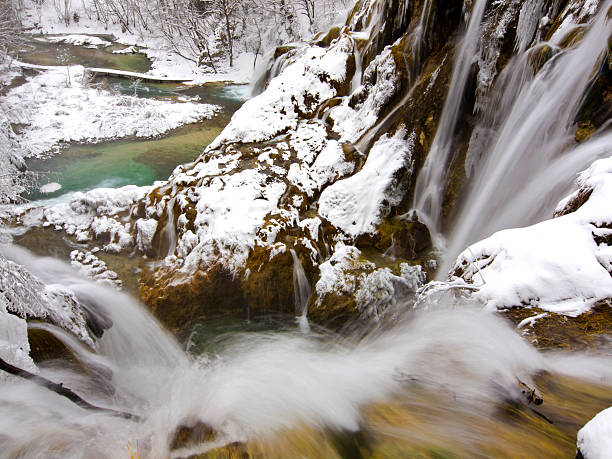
[260,384]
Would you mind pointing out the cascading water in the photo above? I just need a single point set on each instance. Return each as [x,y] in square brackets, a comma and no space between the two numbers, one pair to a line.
[522,163]
[258,384]
[430,183]
[301,292]
[170,228]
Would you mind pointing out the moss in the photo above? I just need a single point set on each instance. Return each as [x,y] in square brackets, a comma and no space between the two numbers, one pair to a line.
[331,35]
[408,239]
[584,130]
[334,311]
[192,435]
[555,331]
[538,56]
[280,50]
[236,450]
[269,285]
[179,302]
[572,37]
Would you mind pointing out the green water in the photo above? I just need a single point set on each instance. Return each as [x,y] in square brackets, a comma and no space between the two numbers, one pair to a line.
[125,162]
[44,53]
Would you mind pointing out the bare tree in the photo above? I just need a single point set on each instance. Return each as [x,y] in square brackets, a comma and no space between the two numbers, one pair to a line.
[63,8]
[10,28]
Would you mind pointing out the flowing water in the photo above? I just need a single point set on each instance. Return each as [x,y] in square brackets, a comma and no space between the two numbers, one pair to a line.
[442,382]
[430,183]
[522,156]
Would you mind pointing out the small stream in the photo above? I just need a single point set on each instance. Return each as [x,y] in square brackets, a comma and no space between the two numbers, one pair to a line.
[38,51]
[135,161]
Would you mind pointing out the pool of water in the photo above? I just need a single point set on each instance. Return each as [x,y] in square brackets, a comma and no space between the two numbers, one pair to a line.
[124,162]
[39,52]
[135,161]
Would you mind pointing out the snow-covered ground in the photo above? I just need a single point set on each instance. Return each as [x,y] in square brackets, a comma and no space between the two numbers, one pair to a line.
[43,18]
[59,105]
[595,438]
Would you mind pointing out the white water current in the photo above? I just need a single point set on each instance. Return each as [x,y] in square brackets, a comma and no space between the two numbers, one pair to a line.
[258,383]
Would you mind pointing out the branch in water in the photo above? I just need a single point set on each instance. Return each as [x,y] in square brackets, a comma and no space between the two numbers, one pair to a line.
[61,390]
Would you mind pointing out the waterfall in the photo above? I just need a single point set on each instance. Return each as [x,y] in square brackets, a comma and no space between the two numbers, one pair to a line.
[356,81]
[170,228]
[269,67]
[301,291]
[522,170]
[430,182]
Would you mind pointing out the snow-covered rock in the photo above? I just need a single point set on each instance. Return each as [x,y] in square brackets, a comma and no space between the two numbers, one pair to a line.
[357,204]
[347,276]
[94,268]
[595,438]
[102,214]
[26,296]
[562,265]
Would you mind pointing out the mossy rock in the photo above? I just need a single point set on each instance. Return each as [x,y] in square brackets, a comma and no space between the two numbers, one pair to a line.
[280,50]
[192,434]
[334,310]
[555,331]
[538,56]
[236,450]
[331,35]
[178,303]
[45,346]
[269,285]
[584,131]
[408,239]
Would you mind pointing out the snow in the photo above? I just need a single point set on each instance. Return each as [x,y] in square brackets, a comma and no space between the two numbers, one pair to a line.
[294,94]
[93,214]
[374,289]
[25,295]
[42,18]
[51,187]
[59,106]
[145,231]
[14,345]
[595,438]
[352,120]
[555,265]
[79,40]
[355,204]
[91,266]
[328,166]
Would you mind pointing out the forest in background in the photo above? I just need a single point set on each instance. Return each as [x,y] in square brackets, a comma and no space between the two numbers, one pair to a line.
[206,32]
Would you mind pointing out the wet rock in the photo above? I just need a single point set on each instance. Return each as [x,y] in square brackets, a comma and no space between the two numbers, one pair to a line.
[192,434]
[548,330]
[399,237]
[44,346]
[177,305]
